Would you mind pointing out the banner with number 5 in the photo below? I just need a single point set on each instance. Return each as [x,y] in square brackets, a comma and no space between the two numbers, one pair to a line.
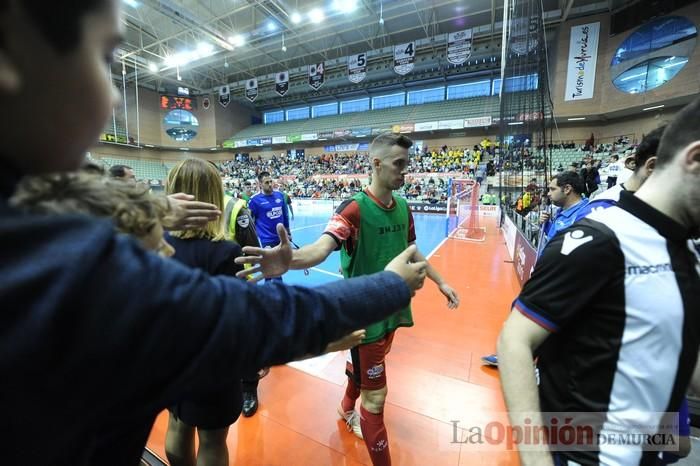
[357,67]
[404,58]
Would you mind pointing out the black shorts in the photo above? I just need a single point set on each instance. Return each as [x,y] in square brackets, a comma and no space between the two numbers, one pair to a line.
[212,411]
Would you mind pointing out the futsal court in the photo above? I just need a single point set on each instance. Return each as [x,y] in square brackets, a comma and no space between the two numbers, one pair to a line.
[434,368]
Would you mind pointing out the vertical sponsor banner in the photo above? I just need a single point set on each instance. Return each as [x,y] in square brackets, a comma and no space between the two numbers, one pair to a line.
[509,232]
[524,257]
[316,72]
[282,82]
[224,95]
[583,55]
[251,89]
[459,46]
[404,58]
[357,67]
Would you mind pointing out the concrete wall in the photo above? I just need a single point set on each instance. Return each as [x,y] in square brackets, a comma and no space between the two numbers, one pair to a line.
[147,127]
[606,97]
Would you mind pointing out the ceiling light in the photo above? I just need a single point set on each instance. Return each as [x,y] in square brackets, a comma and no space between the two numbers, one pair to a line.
[132,3]
[295,17]
[153,67]
[237,40]
[271,26]
[576,119]
[316,15]
[654,107]
[345,6]
[205,48]
[515,123]
[284,48]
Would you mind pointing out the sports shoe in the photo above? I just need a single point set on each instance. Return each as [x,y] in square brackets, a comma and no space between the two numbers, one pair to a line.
[352,420]
[490,360]
[250,403]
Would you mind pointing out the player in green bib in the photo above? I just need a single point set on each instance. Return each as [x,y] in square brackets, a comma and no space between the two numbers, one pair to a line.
[370,230]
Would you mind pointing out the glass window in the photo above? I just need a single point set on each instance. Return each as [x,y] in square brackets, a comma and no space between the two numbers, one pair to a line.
[181,125]
[324,110]
[389,101]
[273,117]
[358,105]
[464,91]
[649,74]
[425,96]
[517,84]
[301,113]
[655,35]
[180,117]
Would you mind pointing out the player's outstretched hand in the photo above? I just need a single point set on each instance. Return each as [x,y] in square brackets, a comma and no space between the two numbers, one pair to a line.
[350,340]
[188,214]
[412,272]
[451,295]
[271,262]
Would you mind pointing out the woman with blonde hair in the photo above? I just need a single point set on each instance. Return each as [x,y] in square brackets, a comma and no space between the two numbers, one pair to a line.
[205,248]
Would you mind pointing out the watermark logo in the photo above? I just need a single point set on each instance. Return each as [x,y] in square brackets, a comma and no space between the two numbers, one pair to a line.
[566,432]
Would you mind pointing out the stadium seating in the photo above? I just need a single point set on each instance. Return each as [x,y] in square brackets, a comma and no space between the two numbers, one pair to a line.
[444,110]
[143,169]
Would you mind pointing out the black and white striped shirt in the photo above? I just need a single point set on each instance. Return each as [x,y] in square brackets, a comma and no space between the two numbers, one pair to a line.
[620,292]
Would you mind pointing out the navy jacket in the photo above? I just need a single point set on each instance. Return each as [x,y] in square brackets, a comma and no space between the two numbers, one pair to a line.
[93,328]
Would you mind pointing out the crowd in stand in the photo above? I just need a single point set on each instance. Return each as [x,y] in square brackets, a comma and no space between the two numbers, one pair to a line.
[301,176]
[596,174]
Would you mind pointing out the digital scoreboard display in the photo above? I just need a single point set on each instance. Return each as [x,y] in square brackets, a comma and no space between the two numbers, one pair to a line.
[170,102]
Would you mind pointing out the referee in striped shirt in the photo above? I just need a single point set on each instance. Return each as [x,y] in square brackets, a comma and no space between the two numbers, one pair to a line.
[612,311]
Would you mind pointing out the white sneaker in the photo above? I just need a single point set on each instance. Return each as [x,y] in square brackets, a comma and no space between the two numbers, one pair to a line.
[352,420]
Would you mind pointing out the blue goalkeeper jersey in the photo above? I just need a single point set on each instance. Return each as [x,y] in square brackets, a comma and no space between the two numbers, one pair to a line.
[269,210]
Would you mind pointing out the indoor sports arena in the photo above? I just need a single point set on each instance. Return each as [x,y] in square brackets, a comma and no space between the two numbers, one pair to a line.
[350,232]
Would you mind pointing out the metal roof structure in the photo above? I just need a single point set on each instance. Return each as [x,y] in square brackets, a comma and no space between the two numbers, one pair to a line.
[209,43]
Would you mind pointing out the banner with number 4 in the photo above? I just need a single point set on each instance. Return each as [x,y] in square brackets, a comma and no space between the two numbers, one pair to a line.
[404,58]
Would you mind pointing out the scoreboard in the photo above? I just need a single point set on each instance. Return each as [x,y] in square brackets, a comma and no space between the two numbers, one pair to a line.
[170,102]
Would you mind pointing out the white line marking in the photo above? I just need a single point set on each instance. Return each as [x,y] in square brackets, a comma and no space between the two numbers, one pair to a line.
[326,272]
[309,226]
[436,248]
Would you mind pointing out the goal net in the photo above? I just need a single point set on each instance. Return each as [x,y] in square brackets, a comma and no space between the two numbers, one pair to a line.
[463,211]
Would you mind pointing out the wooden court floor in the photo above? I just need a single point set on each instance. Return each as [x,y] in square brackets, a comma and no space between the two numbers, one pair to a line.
[434,378]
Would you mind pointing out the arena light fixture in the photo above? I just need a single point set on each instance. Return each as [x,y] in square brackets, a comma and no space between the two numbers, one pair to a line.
[295,17]
[238,40]
[153,67]
[317,15]
[515,123]
[654,107]
[345,6]
[271,26]
[132,3]
[576,119]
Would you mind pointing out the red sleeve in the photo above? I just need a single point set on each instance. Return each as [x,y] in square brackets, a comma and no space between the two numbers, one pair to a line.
[411,227]
[345,223]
